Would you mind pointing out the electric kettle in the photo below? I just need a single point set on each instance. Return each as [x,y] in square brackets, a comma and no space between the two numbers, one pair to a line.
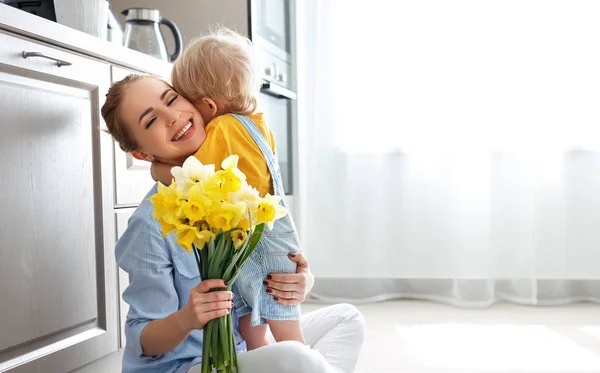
[142,33]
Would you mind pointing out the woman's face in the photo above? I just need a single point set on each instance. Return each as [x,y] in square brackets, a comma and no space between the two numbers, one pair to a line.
[166,126]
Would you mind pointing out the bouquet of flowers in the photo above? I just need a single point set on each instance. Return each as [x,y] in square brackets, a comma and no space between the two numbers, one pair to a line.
[220,218]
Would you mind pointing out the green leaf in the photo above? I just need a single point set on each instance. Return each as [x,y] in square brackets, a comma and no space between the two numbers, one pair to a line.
[204,263]
[211,251]
[234,261]
[220,251]
[218,256]
[234,362]
[197,256]
[227,254]
[224,338]
[244,252]
[214,341]
[253,242]
[205,353]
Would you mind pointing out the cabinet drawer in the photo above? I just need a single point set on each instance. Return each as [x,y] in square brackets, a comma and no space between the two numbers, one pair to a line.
[42,58]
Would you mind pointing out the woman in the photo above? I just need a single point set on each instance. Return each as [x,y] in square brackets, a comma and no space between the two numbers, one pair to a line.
[169,305]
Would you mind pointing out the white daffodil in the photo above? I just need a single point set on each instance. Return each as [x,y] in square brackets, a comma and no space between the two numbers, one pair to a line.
[192,172]
[247,195]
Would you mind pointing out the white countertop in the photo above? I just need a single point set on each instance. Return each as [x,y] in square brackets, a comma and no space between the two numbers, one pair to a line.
[38,28]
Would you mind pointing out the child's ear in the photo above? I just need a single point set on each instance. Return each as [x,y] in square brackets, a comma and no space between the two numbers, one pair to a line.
[211,104]
[142,156]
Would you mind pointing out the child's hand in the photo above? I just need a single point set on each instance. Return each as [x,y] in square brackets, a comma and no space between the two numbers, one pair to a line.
[161,172]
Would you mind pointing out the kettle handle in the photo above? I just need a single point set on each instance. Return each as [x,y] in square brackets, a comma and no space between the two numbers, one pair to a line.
[176,34]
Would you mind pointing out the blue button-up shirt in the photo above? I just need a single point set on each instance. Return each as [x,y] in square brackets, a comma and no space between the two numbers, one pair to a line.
[161,275]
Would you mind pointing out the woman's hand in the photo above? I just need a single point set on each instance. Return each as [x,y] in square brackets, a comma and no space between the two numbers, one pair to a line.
[291,288]
[204,306]
[164,335]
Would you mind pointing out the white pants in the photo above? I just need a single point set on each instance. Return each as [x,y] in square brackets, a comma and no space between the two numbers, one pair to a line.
[334,336]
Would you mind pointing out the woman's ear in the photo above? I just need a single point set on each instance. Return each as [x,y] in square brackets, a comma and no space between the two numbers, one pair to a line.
[142,156]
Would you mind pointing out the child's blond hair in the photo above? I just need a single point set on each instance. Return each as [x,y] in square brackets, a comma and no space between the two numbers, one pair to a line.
[220,66]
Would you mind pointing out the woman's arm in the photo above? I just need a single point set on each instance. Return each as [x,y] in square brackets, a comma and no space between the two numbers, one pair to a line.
[155,324]
[291,288]
[164,335]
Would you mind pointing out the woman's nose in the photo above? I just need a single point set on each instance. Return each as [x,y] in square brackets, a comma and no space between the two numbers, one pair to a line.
[172,116]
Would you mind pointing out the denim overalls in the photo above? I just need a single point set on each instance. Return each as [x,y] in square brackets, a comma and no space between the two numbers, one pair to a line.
[271,254]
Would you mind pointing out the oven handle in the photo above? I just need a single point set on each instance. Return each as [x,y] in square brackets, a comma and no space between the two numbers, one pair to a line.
[277,91]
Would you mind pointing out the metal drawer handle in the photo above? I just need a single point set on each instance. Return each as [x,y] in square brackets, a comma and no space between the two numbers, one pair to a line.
[59,63]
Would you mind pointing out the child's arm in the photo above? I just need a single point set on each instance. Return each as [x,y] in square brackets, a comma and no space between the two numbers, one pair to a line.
[161,172]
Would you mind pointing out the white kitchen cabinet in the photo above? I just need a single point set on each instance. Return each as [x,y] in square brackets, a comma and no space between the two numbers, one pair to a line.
[58,303]
[133,178]
[122,217]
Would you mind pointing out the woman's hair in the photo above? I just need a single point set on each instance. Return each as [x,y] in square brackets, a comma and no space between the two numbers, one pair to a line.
[220,66]
[111,112]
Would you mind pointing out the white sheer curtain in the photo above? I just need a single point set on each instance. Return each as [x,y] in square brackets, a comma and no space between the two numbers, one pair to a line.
[449,149]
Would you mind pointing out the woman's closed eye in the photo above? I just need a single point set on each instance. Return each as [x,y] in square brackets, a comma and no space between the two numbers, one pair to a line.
[172,99]
[150,122]
[169,102]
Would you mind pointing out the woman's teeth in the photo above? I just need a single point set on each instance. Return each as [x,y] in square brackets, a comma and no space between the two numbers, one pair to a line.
[183,131]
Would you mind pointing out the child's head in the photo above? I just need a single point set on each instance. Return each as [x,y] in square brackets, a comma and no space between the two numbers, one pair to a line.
[219,67]
[152,121]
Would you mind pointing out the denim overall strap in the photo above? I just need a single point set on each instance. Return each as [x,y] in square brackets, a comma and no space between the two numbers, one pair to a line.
[270,158]
[272,163]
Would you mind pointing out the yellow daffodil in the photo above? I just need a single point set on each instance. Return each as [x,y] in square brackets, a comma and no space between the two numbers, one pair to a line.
[168,200]
[230,181]
[203,236]
[230,164]
[212,188]
[197,206]
[269,210]
[186,236]
[168,224]
[226,216]
[244,223]
[223,182]
[239,237]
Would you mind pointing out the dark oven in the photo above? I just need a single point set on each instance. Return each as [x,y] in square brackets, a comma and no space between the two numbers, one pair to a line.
[270,31]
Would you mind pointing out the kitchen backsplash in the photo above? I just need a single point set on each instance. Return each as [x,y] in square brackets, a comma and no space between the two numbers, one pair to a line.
[193,17]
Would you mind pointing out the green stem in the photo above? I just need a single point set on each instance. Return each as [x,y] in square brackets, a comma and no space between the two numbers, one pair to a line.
[197,255]
[234,365]
[206,359]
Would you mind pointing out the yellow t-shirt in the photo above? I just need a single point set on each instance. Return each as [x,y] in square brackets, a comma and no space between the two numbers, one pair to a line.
[225,135]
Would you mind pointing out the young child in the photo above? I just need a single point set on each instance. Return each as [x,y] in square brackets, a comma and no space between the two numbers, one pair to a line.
[218,75]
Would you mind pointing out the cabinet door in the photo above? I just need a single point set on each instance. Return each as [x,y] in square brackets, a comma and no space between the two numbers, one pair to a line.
[58,301]
[122,216]
[133,178]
